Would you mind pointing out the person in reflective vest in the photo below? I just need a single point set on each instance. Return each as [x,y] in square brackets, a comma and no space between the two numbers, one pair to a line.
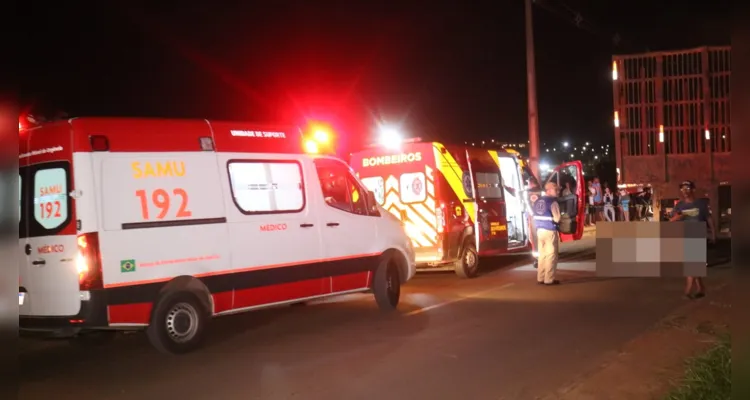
[546,214]
[531,194]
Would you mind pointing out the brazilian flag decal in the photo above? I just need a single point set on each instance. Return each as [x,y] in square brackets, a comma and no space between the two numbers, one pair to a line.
[127,265]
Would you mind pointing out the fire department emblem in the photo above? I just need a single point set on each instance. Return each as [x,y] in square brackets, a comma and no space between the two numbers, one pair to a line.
[417,186]
[466,179]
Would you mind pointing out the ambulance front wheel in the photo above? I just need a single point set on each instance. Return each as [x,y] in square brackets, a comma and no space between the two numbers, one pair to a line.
[386,285]
[178,323]
[467,266]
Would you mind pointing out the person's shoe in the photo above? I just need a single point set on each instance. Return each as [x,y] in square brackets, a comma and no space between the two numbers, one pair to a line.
[555,282]
[689,296]
[699,295]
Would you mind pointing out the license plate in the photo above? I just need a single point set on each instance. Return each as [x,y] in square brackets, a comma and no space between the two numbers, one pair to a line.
[21,298]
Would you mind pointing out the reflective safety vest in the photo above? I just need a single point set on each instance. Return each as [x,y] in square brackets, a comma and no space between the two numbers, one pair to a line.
[542,211]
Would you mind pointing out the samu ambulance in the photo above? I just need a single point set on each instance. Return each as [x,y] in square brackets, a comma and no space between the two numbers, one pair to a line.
[162,224]
[458,203]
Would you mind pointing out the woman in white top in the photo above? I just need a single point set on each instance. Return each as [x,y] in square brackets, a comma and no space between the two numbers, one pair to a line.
[609,205]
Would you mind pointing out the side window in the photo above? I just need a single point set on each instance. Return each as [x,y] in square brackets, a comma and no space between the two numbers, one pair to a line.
[376,185]
[413,188]
[50,197]
[335,186]
[267,186]
[358,196]
[568,182]
[554,177]
[340,189]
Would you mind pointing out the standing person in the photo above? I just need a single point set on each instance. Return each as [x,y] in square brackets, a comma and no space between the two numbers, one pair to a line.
[546,217]
[625,205]
[533,191]
[568,189]
[609,204]
[640,204]
[591,217]
[692,210]
[598,200]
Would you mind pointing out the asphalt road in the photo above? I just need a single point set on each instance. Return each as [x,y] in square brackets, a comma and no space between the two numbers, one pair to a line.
[499,336]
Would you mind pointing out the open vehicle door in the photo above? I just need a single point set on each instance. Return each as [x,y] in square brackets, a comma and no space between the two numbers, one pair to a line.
[570,176]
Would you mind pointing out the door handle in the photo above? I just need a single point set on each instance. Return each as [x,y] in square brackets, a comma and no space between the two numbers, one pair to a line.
[306,225]
[332,224]
[38,262]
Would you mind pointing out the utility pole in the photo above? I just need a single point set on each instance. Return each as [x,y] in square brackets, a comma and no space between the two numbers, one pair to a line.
[531,93]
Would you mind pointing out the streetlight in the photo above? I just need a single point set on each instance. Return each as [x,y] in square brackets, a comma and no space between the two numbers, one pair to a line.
[565,144]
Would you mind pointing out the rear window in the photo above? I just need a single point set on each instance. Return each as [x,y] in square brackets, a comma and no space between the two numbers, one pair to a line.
[488,185]
[45,205]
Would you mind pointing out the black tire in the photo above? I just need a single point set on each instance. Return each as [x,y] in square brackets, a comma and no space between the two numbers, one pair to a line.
[93,338]
[386,285]
[467,265]
[178,323]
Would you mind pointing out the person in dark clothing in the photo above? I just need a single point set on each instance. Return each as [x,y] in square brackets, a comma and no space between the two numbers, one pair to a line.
[690,209]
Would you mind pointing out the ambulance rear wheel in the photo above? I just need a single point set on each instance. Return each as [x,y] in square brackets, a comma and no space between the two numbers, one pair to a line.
[467,266]
[386,285]
[178,323]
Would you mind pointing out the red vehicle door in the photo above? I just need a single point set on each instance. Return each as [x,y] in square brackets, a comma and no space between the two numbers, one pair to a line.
[570,181]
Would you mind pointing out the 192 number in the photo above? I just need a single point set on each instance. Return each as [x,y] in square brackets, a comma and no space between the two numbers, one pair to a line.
[162,200]
[50,209]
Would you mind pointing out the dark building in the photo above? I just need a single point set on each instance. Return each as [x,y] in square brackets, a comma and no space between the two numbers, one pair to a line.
[671,119]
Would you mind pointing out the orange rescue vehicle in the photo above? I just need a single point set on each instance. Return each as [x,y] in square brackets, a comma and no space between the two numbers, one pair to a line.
[458,203]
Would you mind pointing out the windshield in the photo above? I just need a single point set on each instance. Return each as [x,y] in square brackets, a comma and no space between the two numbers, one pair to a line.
[44,206]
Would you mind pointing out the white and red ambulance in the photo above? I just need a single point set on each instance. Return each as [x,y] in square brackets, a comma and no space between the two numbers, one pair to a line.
[162,224]
[459,203]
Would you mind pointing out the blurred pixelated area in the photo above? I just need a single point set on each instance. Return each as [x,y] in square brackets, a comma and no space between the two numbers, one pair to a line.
[651,249]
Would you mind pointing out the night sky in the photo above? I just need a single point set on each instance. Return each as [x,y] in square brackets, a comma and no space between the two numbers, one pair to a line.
[446,70]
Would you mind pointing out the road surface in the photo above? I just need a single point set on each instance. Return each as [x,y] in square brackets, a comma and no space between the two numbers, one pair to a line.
[499,336]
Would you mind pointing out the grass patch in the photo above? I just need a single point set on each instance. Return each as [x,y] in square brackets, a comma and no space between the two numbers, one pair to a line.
[709,376]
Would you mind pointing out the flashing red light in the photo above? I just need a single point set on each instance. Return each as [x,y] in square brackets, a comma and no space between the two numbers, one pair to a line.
[318,138]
